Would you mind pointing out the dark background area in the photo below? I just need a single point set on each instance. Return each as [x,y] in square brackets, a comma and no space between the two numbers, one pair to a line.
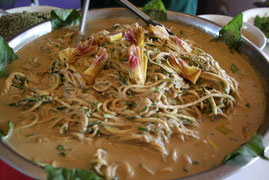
[226,7]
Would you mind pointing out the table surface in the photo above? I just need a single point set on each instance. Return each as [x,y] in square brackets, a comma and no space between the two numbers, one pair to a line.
[259,170]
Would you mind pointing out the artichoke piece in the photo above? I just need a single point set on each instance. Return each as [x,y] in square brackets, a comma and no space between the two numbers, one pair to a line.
[135,34]
[87,47]
[68,55]
[98,63]
[183,44]
[191,73]
[114,37]
[158,31]
[138,65]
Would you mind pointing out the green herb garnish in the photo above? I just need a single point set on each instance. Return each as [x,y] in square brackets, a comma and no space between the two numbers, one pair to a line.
[7,56]
[247,151]
[69,174]
[230,33]
[263,24]
[144,109]
[142,129]
[64,17]
[234,68]
[60,148]
[156,10]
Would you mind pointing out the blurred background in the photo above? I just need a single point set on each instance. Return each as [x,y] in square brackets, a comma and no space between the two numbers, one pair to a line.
[225,7]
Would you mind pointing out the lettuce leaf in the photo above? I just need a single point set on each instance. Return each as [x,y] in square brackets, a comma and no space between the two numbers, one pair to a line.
[247,151]
[10,130]
[7,56]
[69,174]
[230,33]
[64,17]
[263,24]
[156,10]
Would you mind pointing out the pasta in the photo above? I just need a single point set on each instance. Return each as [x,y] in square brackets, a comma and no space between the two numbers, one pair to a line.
[130,85]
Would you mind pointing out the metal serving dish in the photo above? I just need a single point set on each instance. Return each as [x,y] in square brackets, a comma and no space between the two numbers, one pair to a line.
[256,57]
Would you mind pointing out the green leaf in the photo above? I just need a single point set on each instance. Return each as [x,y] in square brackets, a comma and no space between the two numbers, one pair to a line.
[230,33]
[64,17]
[69,174]
[247,151]
[7,56]
[10,130]
[156,10]
[4,73]
[234,68]
[263,24]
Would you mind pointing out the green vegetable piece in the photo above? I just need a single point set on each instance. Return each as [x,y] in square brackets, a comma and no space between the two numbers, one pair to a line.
[4,73]
[69,174]
[230,33]
[10,130]
[234,69]
[142,129]
[144,109]
[7,56]
[60,148]
[247,151]
[64,17]
[156,10]
[224,129]
[263,24]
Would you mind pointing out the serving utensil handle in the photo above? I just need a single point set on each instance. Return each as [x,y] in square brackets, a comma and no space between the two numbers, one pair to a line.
[135,10]
[81,30]
[141,15]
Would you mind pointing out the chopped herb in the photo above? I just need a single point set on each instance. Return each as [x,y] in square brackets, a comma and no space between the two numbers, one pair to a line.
[88,113]
[29,135]
[144,109]
[186,169]
[124,59]
[247,105]
[60,148]
[234,68]
[142,129]
[63,154]
[152,45]
[98,133]
[186,121]
[196,162]
[247,151]
[224,88]
[132,117]
[61,108]
[84,90]
[156,10]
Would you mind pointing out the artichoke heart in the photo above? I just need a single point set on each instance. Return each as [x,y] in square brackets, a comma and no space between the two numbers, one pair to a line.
[98,63]
[191,73]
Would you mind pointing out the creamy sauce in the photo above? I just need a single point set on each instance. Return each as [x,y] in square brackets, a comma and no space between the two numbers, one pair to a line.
[40,143]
